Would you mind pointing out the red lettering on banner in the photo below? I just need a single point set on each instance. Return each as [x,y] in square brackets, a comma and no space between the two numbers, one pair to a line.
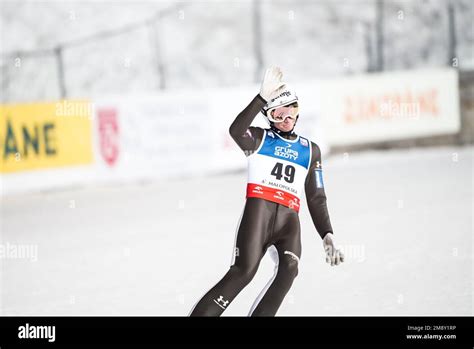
[359,108]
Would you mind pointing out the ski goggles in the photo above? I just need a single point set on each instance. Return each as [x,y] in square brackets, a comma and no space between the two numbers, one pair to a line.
[279,114]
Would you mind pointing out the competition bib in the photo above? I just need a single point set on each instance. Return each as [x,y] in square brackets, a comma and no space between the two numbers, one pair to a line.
[277,170]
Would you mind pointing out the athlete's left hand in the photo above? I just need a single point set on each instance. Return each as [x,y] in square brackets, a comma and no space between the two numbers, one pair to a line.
[334,255]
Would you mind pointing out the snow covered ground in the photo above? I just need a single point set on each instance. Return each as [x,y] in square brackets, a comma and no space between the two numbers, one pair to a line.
[404,218]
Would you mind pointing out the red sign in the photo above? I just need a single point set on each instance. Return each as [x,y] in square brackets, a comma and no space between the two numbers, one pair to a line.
[108,134]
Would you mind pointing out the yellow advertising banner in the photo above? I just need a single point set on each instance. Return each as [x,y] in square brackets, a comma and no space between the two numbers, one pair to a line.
[45,135]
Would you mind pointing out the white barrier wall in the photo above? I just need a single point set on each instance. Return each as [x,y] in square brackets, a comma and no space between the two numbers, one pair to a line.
[173,134]
[391,106]
[185,133]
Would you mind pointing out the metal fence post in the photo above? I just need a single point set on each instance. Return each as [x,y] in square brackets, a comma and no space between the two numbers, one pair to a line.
[379,32]
[58,52]
[257,39]
[158,50]
[451,35]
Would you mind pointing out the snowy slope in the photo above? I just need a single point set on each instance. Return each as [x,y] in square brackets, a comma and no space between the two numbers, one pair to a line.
[404,218]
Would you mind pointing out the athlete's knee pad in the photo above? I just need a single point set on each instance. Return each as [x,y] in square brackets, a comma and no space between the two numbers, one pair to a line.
[289,264]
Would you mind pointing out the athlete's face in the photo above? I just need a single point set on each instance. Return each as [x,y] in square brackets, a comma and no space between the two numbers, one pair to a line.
[284,118]
[286,125]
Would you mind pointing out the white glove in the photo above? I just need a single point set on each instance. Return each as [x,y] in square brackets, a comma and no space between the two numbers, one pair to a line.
[334,256]
[272,84]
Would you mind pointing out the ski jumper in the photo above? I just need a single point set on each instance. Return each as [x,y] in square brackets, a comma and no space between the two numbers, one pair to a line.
[279,171]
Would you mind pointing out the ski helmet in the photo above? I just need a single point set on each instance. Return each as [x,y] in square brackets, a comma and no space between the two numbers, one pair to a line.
[286,97]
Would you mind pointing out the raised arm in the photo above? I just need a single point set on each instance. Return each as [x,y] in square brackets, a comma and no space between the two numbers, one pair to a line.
[248,138]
